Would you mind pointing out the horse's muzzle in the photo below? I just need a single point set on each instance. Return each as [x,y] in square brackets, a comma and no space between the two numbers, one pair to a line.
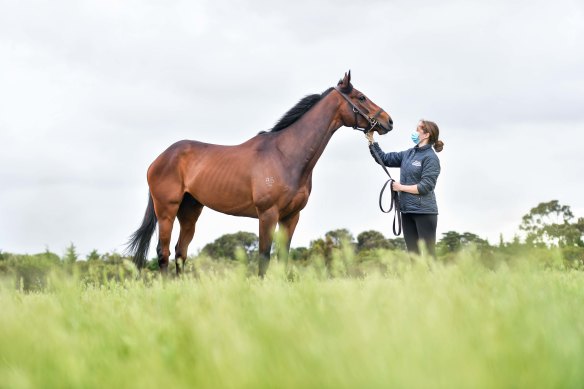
[383,129]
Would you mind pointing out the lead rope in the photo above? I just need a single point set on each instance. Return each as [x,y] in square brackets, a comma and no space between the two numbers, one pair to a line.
[394,197]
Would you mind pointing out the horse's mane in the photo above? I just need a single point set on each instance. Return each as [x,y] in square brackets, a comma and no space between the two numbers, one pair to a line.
[298,110]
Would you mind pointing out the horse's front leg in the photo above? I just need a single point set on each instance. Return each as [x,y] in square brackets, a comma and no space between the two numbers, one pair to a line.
[268,220]
[287,226]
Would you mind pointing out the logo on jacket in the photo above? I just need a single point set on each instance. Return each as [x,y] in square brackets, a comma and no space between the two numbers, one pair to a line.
[417,163]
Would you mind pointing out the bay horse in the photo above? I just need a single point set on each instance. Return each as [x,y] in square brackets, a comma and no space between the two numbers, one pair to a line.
[268,177]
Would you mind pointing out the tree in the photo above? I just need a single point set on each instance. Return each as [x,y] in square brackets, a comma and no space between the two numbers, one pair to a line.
[338,237]
[579,225]
[317,248]
[549,224]
[48,256]
[370,240]
[226,245]
[93,256]
[113,258]
[334,239]
[398,243]
[71,255]
[452,241]
[299,254]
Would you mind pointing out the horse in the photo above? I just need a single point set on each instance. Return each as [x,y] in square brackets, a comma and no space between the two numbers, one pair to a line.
[268,177]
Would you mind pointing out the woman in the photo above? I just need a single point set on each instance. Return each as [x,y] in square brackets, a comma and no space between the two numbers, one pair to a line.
[419,170]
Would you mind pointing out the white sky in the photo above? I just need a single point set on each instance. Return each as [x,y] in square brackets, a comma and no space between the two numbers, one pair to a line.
[92,91]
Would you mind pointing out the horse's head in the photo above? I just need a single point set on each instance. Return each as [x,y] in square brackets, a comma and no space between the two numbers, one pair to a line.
[360,112]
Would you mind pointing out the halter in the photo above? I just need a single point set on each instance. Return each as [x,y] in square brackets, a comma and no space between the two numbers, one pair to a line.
[372,120]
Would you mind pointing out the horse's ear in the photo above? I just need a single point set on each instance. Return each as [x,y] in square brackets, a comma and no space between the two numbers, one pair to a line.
[346,81]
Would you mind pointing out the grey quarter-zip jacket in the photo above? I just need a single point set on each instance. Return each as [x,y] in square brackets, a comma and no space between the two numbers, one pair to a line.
[418,166]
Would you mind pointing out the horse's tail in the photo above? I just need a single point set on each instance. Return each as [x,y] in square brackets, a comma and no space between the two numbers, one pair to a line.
[139,243]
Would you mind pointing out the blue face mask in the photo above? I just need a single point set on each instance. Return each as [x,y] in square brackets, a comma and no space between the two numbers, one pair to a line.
[415,137]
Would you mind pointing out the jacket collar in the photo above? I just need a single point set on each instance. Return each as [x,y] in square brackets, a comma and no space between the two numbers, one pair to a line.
[425,147]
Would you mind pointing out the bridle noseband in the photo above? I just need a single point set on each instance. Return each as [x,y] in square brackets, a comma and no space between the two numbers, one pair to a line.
[372,120]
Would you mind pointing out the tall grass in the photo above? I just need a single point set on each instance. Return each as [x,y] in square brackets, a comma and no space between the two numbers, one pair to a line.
[404,324]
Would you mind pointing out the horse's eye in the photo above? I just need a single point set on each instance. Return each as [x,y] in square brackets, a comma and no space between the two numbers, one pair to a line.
[361,98]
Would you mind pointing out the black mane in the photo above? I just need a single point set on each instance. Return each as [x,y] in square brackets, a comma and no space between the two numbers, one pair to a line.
[298,110]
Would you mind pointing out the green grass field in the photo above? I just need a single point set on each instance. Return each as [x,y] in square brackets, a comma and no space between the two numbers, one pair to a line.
[420,325]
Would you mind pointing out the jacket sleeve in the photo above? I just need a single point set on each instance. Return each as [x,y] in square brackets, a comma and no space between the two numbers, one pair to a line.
[430,172]
[392,159]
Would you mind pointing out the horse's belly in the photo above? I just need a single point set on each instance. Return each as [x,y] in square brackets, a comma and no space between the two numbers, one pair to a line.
[223,187]
[234,210]
[226,201]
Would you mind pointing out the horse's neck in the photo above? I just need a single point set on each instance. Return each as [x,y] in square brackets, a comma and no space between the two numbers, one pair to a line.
[303,142]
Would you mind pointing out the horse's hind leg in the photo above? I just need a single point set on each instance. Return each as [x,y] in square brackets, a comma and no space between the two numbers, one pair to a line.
[188,214]
[166,213]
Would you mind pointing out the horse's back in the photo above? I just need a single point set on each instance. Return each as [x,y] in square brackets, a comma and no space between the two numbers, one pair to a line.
[181,152]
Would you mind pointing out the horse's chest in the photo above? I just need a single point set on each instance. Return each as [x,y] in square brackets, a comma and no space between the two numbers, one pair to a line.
[297,201]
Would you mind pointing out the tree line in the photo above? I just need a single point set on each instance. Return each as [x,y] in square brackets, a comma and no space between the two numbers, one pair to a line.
[548,225]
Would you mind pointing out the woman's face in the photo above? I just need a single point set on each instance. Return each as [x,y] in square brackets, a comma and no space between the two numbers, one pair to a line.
[422,134]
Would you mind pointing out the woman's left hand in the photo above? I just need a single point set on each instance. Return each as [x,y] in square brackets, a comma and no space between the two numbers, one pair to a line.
[396,186]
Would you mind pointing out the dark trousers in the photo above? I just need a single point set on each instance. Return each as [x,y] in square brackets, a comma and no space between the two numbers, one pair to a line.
[420,226]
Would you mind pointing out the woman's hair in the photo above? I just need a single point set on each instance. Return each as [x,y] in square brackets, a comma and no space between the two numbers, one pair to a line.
[432,129]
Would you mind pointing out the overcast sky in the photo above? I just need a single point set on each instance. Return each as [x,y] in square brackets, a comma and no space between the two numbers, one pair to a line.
[92,91]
